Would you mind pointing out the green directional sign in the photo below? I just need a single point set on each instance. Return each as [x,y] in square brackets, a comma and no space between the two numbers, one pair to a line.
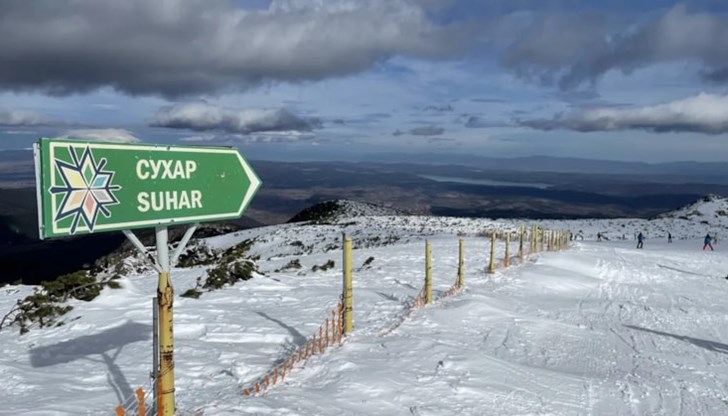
[88,187]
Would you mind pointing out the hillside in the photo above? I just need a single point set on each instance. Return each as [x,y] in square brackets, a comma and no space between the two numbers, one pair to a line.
[599,329]
[334,210]
[712,209]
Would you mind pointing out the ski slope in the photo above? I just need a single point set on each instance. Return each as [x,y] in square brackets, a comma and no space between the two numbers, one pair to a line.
[599,329]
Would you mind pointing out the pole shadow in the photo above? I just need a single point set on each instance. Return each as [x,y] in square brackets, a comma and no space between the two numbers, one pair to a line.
[702,343]
[298,338]
[106,344]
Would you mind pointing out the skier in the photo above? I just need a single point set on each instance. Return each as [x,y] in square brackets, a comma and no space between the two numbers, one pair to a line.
[707,242]
[640,239]
[599,236]
[669,237]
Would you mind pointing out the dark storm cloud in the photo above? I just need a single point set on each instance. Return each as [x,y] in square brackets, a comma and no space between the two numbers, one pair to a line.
[201,116]
[703,113]
[181,47]
[573,49]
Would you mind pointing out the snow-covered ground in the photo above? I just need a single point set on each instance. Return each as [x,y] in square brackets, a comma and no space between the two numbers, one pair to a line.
[599,329]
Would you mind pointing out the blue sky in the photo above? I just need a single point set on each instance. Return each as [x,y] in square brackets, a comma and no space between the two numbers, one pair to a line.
[340,79]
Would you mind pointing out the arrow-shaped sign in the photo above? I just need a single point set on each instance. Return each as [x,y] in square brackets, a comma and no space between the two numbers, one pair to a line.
[88,187]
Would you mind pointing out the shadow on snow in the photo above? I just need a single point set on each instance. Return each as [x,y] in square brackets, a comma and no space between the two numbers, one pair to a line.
[708,345]
[106,344]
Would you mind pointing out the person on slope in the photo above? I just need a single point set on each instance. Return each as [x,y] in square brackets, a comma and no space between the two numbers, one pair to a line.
[708,242]
[669,237]
[640,240]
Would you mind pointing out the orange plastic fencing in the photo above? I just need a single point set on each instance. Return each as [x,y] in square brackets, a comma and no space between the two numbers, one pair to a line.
[330,333]
[136,402]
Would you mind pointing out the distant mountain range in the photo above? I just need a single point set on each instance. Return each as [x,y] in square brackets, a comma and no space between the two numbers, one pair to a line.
[710,171]
[704,170]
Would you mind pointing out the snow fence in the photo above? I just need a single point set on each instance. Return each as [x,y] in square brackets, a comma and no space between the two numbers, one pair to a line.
[333,329]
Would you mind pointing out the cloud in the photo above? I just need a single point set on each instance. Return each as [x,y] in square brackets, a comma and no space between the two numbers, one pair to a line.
[481,122]
[201,116]
[475,122]
[200,138]
[439,140]
[573,49]
[20,132]
[702,113]
[102,135]
[487,100]
[179,48]
[439,108]
[22,118]
[542,46]
[266,137]
[427,131]
[421,131]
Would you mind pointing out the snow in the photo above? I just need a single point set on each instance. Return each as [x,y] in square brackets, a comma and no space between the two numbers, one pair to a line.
[599,329]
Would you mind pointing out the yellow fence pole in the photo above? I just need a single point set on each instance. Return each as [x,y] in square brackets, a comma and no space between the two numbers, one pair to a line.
[428,273]
[522,231]
[549,241]
[507,260]
[348,304]
[491,265]
[461,263]
[542,237]
[559,240]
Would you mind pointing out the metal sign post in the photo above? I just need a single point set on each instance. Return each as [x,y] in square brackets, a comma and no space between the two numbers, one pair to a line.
[163,332]
[165,299]
[155,356]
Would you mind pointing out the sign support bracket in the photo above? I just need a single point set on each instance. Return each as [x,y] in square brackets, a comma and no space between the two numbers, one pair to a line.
[182,244]
[143,250]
